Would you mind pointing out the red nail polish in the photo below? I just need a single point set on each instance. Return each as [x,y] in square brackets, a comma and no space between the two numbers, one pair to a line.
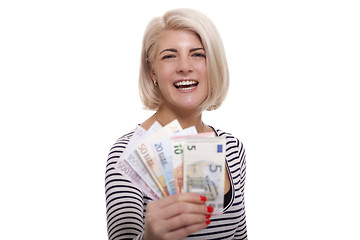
[210,209]
[203,198]
[208,222]
[207,216]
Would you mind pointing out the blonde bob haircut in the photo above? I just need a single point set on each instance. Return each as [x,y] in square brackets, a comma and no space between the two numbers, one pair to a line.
[216,64]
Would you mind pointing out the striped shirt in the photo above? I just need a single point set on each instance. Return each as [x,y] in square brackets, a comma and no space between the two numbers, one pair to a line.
[126,204]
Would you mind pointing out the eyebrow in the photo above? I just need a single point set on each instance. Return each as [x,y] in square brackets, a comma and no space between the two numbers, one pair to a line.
[174,50]
[196,49]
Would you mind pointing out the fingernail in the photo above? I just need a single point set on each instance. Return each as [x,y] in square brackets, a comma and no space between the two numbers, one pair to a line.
[203,198]
[208,222]
[207,216]
[210,209]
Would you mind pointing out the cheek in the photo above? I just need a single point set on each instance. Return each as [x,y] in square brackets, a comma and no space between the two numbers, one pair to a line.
[163,72]
[201,68]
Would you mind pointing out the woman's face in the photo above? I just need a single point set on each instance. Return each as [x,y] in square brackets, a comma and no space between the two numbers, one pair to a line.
[179,67]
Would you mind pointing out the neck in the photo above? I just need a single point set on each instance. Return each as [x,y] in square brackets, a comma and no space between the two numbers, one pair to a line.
[186,118]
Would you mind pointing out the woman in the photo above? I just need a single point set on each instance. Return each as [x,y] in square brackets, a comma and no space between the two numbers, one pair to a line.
[183,72]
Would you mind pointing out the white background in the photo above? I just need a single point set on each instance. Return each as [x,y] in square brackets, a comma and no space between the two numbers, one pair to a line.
[69,72]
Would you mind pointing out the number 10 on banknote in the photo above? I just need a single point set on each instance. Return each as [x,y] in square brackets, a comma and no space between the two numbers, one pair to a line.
[204,169]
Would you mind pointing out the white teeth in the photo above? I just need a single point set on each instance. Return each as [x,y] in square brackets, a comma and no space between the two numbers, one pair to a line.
[185,82]
[187,88]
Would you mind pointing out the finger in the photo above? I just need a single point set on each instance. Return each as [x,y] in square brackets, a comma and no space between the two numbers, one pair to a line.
[185,220]
[174,210]
[181,197]
[185,208]
[181,233]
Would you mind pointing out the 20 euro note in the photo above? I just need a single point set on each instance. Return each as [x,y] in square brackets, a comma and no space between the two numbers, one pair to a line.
[204,169]
[162,149]
[132,158]
[177,149]
[127,171]
[147,154]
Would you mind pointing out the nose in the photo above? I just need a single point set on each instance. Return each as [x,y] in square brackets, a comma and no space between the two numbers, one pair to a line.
[184,65]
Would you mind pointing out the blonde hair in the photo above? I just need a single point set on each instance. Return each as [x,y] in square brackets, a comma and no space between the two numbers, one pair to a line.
[216,64]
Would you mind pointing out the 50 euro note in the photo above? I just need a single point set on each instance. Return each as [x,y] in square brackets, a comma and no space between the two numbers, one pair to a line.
[204,169]
[147,154]
[128,171]
[162,149]
[131,157]
[177,150]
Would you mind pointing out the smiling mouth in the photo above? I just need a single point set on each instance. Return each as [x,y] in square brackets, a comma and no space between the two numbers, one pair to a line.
[186,84]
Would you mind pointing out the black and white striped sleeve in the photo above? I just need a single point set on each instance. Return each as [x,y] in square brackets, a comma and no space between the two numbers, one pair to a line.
[241,231]
[125,203]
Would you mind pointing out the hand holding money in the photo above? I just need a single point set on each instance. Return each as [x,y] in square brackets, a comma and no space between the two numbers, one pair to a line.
[170,160]
[176,216]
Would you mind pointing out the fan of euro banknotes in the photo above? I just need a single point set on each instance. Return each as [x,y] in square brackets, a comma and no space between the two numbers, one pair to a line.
[163,161]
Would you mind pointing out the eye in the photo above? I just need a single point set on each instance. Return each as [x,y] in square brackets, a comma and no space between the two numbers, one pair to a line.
[169,56]
[201,55]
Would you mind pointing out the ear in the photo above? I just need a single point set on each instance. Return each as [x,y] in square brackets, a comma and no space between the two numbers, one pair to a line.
[152,72]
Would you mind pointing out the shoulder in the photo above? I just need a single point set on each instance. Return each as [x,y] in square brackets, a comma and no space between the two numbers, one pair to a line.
[118,148]
[235,150]
[231,140]
[122,142]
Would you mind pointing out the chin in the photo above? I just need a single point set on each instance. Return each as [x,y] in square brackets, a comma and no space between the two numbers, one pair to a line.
[188,107]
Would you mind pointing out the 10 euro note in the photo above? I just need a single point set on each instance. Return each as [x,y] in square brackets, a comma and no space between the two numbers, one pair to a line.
[163,152]
[204,169]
